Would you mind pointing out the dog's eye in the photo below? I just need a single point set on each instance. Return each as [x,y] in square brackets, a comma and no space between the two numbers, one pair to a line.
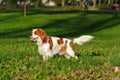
[35,33]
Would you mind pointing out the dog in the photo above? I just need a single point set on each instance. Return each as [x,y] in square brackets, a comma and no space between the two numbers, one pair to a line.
[49,46]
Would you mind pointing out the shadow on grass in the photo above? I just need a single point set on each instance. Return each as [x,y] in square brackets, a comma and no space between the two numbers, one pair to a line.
[70,27]
[32,12]
[8,16]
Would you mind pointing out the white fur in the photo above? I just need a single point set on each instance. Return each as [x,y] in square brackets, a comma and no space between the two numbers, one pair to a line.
[45,51]
[82,39]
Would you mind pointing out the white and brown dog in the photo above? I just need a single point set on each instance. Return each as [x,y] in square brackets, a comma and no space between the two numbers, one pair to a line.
[48,46]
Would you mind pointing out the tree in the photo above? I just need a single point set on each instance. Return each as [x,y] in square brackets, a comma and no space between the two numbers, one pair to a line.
[109,1]
[63,2]
[15,2]
[94,3]
[25,11]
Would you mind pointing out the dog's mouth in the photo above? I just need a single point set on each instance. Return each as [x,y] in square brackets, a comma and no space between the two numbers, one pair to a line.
[34,39]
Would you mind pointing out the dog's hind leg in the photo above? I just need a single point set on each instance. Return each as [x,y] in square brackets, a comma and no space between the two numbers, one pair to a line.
[45,57]
[71,53]
[67,56]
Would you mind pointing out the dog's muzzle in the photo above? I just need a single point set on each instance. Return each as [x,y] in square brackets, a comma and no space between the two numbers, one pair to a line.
[33,39]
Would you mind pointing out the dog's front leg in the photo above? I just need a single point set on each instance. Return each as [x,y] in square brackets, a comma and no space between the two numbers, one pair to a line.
[45,57]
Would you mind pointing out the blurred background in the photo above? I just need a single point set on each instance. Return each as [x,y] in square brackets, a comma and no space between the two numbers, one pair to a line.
[60,4]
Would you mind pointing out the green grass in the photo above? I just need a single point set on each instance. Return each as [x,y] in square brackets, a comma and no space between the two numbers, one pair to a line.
[19,58]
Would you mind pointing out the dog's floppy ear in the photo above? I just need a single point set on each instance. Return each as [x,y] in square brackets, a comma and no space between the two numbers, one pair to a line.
[42,34]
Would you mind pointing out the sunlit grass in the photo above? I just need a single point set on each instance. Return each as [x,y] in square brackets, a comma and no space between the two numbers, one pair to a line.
[19,58]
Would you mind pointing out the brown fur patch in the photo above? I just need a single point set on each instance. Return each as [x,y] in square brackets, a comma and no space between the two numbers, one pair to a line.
[50,42]
[71,45]
[60,41]
[41,33]
[63,49]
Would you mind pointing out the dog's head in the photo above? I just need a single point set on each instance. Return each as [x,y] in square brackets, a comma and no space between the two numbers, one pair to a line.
[38,35]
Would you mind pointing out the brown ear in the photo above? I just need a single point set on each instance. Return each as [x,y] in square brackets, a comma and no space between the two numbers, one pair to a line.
[42,34]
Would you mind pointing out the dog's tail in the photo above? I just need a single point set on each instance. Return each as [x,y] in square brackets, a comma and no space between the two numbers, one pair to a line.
[82,39]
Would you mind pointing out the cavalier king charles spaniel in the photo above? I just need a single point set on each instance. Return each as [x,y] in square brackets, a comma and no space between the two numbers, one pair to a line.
[49,46]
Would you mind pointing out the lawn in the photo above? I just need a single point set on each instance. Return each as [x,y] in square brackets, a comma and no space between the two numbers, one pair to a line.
[19,58]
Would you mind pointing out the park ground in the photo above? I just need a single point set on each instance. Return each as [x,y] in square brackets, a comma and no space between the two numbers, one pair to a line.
[19,58]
